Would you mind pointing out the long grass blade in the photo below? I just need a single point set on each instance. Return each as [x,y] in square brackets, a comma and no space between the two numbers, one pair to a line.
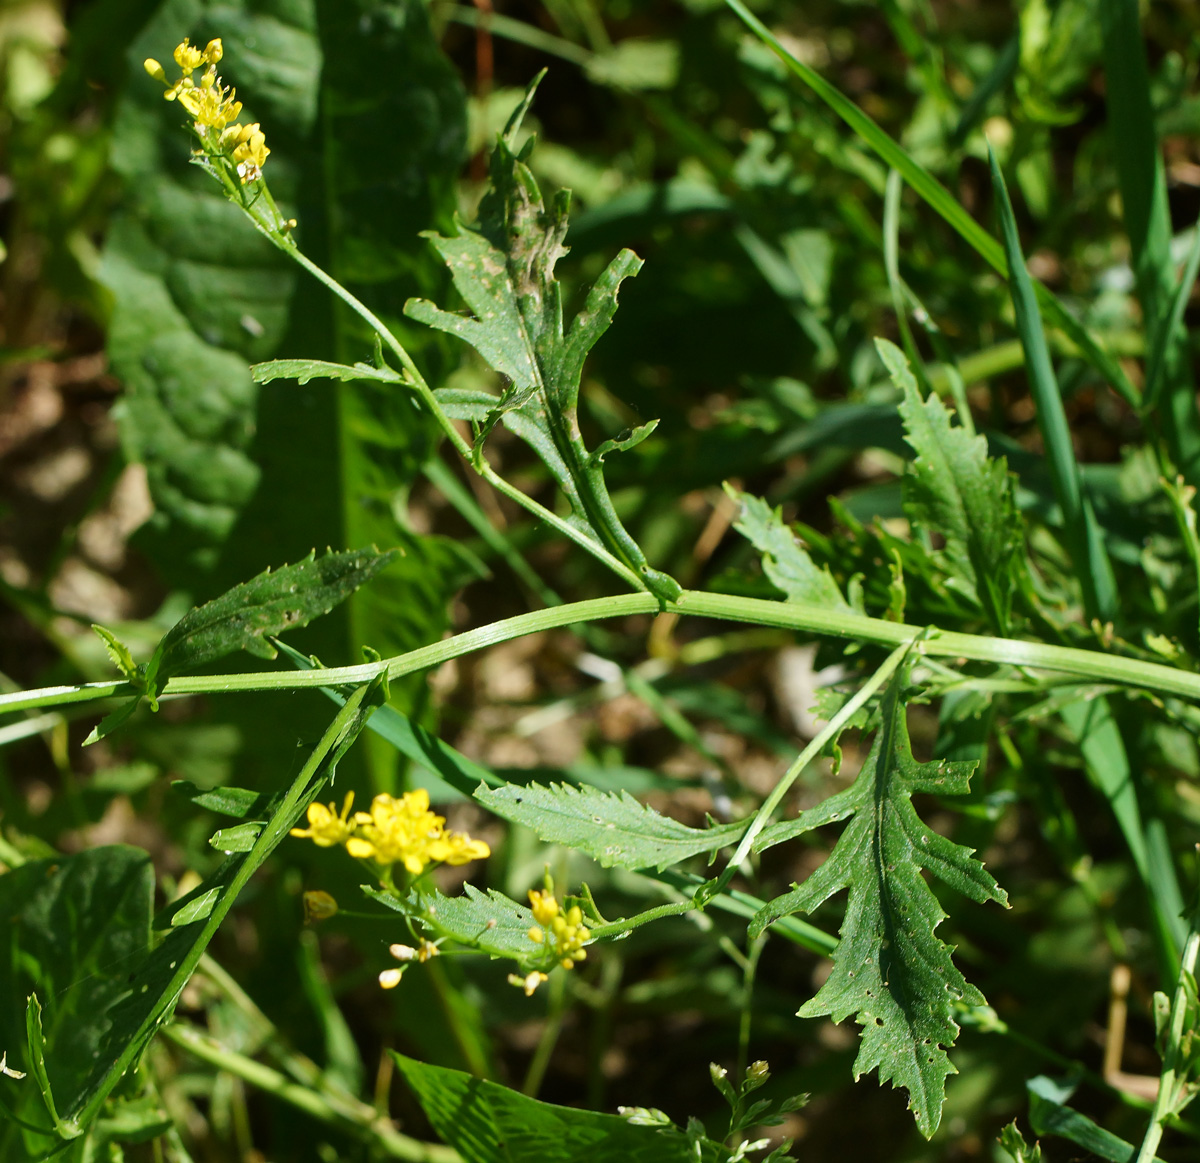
[939,199]
[1148,222]
[1081,531]
[1169,327]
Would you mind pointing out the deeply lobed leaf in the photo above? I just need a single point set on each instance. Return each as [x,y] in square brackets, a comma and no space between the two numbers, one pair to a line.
[503,267]
[889,970]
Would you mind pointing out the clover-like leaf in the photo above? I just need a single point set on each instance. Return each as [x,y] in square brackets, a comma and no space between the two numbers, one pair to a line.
[890,970]
[503,267]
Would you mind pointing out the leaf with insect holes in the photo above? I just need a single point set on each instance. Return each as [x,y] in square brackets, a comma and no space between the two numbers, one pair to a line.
[953,488]
[785,561]
[503,267]
[889,970]
[244,617]
[610,827]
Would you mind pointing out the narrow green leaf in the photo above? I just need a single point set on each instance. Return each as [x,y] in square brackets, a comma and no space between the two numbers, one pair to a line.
[954,489]
[890,970]
[610,827]
[938,198]
[239,802]
[1133,137]
[488,1123]
[503,267]
[36,1046]
[1080,529]
[785,561]
[112,720]
[303,370]
[1049,1115]
[245,616]
[1012,1141]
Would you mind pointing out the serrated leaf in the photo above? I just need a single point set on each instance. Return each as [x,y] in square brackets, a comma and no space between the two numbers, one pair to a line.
[303,370]
[1012,1141]
[245,616]
[611,827]
[118,652]
[503,267]
[954,489]
[489,1123]
[785,561]
[889,970]
[489,921]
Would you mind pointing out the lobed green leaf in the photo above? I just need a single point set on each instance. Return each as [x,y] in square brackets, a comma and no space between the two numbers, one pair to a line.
[889,970]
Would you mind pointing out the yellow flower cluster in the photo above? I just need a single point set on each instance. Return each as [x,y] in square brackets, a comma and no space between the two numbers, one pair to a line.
[214,108]
[563,932]
[395,831]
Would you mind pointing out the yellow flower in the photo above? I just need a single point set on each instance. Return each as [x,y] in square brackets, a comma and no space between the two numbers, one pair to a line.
[563,934]
[214,51]
[325,826]
[154,69]
[251,153]
[212,106]
[404,831]
[187,57]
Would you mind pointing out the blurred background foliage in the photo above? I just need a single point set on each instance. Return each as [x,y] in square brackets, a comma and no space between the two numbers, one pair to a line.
[143,470]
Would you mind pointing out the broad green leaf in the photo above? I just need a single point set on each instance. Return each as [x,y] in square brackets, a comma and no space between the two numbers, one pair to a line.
[611,827]
[489,921]
[890,970]
[488,1123]
[74,928]
[503,268]
[303,370]
[197,292]
[785,561]
[244,617]
[954,489]
[150,990]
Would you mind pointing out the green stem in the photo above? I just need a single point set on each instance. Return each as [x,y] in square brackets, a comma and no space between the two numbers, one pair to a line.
[830,731]
[1093,665]
[1171,1082]
[549,1039]
[347,1113]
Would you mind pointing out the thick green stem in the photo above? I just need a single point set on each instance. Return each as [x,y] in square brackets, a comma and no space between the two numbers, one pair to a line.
[1093,665]
[347,1113]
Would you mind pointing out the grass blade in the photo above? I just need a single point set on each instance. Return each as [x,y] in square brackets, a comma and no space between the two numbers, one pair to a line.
[1080,529]
[1148,220]
[939,199]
